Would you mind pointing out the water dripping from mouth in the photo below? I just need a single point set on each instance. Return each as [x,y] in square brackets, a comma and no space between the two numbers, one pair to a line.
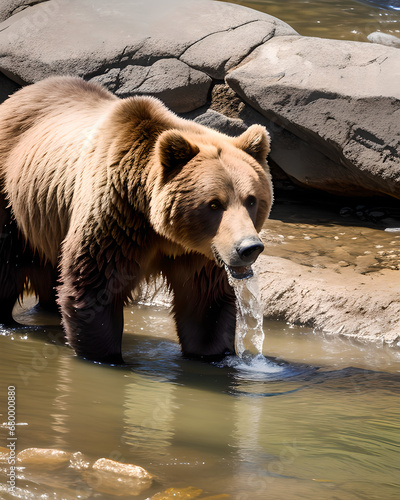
[249,316]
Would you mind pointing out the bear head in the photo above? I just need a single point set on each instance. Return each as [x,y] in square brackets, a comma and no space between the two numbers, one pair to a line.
[212,194]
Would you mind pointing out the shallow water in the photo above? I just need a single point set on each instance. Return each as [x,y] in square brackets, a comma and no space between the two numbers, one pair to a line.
[319,421]
[337,19]
[316,418]
[325,234]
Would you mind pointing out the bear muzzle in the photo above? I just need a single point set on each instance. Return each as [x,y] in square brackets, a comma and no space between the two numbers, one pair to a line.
[240,259]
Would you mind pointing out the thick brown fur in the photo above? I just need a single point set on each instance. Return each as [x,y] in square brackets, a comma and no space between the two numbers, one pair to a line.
[99,194]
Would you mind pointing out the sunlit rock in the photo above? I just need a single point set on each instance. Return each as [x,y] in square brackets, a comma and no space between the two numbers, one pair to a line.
[341,299]
[167,79]
[47,457]
[170,49]
[178,494]
[116,478]
[223,496]
[384,39]
[11,7]
[4,454]
[342,98]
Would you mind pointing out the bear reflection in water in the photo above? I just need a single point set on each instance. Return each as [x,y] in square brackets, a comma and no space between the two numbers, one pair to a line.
[99,194]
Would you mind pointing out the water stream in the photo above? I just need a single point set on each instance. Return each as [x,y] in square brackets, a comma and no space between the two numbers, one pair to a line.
[249,319]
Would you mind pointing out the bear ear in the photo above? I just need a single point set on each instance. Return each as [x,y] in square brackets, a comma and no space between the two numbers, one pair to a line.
[174,151]
[255,142]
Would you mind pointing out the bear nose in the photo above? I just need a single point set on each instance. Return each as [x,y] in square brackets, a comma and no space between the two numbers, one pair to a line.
[249,249]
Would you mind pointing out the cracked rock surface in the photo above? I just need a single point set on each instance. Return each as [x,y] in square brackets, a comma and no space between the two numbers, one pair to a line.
[11,7]
[167,79]
[170,49]
[332,107]
[340,98]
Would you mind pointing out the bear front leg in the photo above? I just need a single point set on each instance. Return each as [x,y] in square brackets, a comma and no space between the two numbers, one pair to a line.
[204,308]
[93,325]
[91,307]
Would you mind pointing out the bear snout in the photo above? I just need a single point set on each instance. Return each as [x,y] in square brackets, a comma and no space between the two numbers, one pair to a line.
[249,249]
[243,255]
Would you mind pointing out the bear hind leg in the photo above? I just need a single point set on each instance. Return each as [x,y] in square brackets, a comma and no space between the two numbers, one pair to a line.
[13,270]
[43,280]
[92,308]
[93,329]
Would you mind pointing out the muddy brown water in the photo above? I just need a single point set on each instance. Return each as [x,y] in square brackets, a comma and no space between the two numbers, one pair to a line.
[318,420]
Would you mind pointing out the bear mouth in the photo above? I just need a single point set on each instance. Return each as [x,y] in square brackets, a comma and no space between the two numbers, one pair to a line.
[240,272]
[237,272]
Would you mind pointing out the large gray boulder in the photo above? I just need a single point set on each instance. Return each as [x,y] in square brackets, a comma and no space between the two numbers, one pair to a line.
[170,49]
[341,99]
[332,107]
[11,7]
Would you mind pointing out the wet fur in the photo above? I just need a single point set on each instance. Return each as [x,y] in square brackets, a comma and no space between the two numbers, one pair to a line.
[91,202]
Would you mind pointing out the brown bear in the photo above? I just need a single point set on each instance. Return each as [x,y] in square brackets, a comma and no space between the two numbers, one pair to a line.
[99,194]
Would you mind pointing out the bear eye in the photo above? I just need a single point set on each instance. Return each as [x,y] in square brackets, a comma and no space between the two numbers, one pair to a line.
[215,205]
[251,201]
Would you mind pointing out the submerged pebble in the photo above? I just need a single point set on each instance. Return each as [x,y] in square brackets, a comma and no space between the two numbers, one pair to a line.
[4,453]
[107,465]
[217,497]
[102,476]
[44,457]
[178,494]
[116,478]
[384,39]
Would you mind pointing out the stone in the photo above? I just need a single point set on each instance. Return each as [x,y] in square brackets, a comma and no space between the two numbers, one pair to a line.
[178,494]
[11,7]
[147,47]
[384,39]
[117,478]
[341,98]
[218,52]
[220,122]
[107,465]
[179,86]
[340,300]
[43,457]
